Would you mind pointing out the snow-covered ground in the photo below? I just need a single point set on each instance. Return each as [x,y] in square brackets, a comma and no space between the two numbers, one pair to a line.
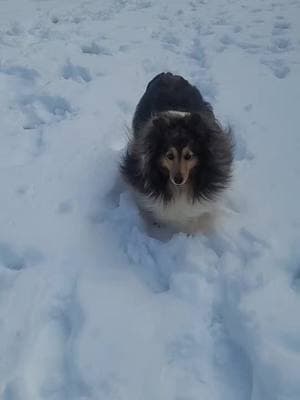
[91,306]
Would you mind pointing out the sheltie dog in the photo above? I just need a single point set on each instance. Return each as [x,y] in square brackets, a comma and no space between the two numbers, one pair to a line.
[179,158]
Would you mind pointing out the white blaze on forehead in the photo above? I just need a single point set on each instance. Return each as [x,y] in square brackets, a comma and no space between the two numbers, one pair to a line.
[174,113]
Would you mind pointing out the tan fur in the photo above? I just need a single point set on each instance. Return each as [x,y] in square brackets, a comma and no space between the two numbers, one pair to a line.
[179,164]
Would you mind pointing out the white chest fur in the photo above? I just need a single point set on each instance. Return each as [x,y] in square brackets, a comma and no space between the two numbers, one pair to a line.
[181,213]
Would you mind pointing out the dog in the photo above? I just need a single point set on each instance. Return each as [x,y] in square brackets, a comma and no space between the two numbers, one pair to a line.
[179,159]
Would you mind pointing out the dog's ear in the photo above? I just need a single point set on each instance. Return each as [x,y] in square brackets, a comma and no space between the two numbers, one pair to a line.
[161,123]
[195,120]
[198,125]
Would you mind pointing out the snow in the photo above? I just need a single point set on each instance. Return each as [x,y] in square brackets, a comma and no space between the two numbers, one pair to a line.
[94,306]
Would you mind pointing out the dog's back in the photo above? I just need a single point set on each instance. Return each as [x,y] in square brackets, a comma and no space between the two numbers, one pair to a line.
[167,92]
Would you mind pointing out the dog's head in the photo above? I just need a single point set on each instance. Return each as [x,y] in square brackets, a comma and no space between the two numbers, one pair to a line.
[188,149]
[183,141]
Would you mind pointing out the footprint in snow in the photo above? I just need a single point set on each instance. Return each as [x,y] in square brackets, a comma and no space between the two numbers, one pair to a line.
[280,27]
[226,40]
[277,66]
[76,73]
[95,49]
[26,74]
[280,45]
[54,19]
[295,281]
[170,41]
[65,207]
[241,151]
[250,245]
[13,260]
[43,109]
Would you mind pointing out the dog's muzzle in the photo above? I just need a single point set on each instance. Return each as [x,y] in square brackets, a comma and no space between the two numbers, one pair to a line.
[178,180]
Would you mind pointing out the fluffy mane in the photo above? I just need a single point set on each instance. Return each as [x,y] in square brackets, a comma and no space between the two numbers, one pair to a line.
[212,144]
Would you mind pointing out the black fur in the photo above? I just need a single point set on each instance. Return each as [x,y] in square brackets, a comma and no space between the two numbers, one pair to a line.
[154,131]
[167,92]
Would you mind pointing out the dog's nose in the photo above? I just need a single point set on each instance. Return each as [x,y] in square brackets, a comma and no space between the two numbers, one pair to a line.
[178,179]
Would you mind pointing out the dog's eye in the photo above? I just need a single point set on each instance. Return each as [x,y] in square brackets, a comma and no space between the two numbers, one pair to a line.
[187,156]
[170,156]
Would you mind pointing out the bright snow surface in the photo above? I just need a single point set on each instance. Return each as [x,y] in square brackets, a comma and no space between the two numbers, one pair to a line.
[92,307]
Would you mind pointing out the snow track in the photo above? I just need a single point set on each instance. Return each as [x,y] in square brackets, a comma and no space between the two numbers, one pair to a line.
[92,305]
